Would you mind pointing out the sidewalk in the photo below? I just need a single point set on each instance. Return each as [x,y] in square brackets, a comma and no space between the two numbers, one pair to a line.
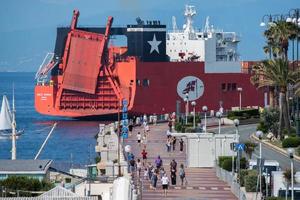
[202,182]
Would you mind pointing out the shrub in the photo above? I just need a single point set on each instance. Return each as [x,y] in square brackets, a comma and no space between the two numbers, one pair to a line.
[242,175]
[178,126]
[190,130]
[243,163]
[243,114]
[227,164]
[262,127]
[291,142]
[270,119]
[223,158]
[250,181]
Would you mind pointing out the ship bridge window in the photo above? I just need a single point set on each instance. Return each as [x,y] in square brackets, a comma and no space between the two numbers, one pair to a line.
[138,82]
[146,82]
[223,86]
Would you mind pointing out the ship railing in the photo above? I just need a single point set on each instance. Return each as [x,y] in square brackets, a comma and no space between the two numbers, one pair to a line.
[48,64]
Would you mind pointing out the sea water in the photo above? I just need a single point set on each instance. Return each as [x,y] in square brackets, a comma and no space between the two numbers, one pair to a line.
[71,143]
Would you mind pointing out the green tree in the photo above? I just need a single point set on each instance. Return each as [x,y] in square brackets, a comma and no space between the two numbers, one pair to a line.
[276,73]
[287,175]
[250,147]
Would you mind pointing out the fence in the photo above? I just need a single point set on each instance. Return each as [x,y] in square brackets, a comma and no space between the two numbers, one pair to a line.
[229,179]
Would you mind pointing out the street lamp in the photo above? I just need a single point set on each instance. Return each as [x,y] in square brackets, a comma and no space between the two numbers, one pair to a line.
[204,108]
[291,152]
[219,116]
[259,134]
[194,113]
[186,99]
[239,89]
[236,124]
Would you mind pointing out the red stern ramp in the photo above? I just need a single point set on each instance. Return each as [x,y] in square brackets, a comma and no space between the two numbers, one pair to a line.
[84,62]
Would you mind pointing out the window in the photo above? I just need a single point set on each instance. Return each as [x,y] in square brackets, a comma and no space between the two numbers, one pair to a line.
[223,86]
[146,82]
[229,86]
[138,82]
[233,85]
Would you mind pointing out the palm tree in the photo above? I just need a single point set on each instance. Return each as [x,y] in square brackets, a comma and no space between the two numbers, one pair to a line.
[275,73]
[278,35]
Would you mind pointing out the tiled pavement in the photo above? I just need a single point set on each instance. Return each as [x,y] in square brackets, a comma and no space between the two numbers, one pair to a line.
[202,182]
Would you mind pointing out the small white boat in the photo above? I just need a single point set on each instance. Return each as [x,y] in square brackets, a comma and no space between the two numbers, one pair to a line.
[6,120]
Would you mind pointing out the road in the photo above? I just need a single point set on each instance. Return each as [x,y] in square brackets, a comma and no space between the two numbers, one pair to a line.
[269,154]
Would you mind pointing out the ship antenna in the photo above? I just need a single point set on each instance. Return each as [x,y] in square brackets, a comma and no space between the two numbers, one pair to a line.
[13,124]
[174,24]
[206,28]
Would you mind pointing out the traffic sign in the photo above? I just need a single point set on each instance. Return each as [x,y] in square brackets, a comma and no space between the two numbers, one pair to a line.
[240,146]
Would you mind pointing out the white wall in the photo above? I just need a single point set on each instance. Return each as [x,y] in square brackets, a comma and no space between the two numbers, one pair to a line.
[102,189]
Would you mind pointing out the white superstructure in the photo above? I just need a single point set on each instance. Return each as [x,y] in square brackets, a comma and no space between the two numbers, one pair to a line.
[218,49]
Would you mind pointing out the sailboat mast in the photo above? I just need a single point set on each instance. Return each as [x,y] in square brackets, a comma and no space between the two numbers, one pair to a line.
[13,124]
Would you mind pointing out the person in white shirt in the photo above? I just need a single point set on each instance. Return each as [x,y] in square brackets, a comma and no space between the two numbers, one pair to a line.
[165,183]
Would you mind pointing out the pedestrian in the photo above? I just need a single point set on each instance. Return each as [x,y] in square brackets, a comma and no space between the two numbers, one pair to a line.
[173,176]
[173,165]
[144,140]
[132,166]
[130,127]
[146,173]
[181,145]
[158,162]
[139,167]
[139,137]
[154,179]
[165,183]
[144,156]
[168,144]
[161,172]
[147,129]
[168,132]
[174,142]
[170,125]
[150,170]
[182,174]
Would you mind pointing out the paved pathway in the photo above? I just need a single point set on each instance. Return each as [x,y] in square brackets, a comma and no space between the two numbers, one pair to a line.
[202,182]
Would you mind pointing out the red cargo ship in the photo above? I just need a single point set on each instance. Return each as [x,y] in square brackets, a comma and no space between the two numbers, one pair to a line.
[90,78]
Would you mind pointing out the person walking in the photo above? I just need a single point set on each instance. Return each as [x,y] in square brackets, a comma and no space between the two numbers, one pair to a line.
[158,162]
[182,174]
[174,142]
[139,137]
[154,179]
[144,140]
[139,167]
[168,144]
[144,156]
[165,183]
[130,127]
[181,145]
[173,169]
[132,166]
[146,173]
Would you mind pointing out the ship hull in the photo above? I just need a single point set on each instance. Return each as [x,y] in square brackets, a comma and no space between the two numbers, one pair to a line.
[156,91]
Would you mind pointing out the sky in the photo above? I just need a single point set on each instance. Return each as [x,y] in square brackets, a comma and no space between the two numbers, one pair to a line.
[28,27]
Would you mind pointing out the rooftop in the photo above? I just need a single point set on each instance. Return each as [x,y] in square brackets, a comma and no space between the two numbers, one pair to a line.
[15,166]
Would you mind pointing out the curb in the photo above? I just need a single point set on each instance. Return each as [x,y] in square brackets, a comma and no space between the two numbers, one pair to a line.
[278,149]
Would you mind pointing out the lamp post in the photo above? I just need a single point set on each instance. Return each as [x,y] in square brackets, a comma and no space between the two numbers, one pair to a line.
[294,17]
[259,134]
[194,113]
[204,108]
[219,116]
[239,89]
[236,124]
[291,152]
[186,99]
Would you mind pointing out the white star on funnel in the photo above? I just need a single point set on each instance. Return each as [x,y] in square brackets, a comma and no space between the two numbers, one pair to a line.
[154,44]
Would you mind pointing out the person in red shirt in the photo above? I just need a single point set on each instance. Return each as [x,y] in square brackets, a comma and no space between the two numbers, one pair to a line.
[144,156]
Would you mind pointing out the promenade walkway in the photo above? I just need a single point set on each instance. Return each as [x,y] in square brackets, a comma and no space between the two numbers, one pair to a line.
[202,182]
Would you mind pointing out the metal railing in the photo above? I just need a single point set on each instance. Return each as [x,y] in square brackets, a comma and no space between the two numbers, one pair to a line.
[230,180]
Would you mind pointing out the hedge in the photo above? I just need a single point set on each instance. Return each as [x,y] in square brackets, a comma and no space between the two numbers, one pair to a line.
[291,142]
[250,182]
[243,114]
[225,162]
